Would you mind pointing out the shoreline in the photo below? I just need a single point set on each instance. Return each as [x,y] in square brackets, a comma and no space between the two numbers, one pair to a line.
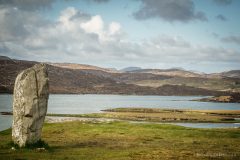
[158,115]
[71,119]
[99,119]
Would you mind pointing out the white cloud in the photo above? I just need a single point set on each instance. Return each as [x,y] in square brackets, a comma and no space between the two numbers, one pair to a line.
[170,41]
[114,27]
[95,25]
[79,37]
[112,32]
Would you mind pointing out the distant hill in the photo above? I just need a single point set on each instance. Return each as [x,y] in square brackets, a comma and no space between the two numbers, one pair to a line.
[112,69]
[4,58]
[168,72]
[131,69]
[180,68]
[197,72]
[232,73]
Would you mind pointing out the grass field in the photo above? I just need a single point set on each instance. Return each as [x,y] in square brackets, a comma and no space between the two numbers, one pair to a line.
[124,140]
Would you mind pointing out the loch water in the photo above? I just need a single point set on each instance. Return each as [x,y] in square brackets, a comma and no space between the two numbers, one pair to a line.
[94,103]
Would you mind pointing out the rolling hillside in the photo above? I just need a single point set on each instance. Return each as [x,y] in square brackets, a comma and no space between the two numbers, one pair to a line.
[86,79]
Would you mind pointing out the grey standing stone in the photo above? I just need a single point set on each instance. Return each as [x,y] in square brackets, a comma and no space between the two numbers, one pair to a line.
[30,101]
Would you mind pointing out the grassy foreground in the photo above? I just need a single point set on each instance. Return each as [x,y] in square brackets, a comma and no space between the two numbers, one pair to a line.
[124,140]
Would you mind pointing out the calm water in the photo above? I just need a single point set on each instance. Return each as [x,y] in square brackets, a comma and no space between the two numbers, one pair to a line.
[201,125]
[89,103]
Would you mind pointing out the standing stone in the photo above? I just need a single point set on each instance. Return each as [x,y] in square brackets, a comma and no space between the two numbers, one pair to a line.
[30,101]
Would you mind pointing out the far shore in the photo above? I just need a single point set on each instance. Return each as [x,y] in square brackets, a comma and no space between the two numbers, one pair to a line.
[159,115]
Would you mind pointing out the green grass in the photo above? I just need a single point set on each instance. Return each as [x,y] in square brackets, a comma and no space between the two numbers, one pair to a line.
[233,86]
[123,140]
[31,145]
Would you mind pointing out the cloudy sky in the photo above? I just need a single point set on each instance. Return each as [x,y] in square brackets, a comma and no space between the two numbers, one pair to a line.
[201,35]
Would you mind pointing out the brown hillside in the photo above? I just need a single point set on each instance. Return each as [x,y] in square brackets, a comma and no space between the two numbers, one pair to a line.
[182,73]
[9,70]
[169,72]
[81,66]
[128,77]
[62,80]
[143,78]
[232,73]
[78,81]
[174,90]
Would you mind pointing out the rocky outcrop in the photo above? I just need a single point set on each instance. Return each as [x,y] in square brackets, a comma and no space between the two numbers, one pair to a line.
[235,98]
[30,100]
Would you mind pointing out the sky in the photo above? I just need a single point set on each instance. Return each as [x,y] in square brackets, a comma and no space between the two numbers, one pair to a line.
[200,35]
